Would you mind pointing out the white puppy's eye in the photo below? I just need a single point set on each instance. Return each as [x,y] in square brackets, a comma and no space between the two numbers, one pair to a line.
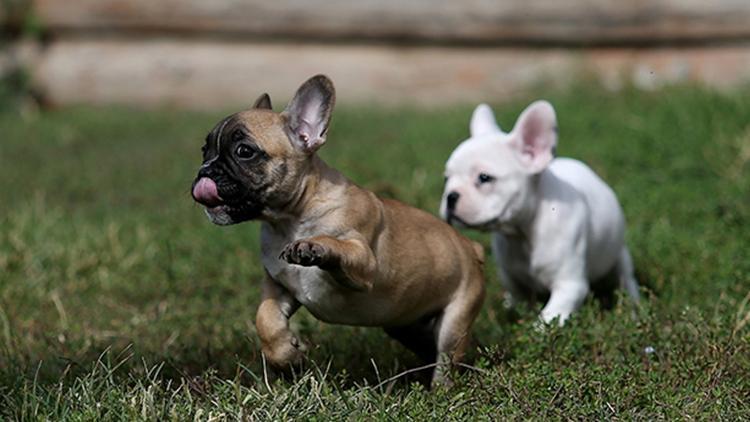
[485,178]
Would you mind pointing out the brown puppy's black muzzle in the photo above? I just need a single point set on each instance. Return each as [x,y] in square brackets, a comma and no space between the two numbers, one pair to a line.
[228,191]
[206,192]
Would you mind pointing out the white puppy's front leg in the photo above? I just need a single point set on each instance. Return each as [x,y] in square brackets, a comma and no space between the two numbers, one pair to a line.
[625,273]
[512,294]
[565,297]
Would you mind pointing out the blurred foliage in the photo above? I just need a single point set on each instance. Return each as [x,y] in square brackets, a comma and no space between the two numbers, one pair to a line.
[14,90]
[18,19]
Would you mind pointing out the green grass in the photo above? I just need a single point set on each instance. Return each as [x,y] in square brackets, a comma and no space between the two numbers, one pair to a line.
[119,300]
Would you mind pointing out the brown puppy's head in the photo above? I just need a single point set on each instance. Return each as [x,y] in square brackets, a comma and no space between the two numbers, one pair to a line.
[254,160]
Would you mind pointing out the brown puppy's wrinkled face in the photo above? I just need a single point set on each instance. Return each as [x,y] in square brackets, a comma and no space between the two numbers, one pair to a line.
[253,161]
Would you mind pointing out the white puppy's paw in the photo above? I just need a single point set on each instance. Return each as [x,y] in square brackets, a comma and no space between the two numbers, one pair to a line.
[550,318]
[544,323]
[509,301]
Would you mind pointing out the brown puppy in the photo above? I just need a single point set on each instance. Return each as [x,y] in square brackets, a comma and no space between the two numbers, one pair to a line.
[346,255]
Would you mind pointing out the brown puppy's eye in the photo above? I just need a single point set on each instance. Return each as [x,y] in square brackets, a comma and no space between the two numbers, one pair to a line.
[244,152]
[485,178]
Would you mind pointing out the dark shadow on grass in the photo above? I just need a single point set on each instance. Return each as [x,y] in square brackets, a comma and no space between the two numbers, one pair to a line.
[351,356]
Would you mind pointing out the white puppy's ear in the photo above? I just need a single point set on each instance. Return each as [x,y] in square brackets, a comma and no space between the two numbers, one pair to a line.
[534,136]
[483,121]
[309,113]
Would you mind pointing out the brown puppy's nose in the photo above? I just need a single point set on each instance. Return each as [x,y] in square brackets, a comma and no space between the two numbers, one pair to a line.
[451,200]
[206,192]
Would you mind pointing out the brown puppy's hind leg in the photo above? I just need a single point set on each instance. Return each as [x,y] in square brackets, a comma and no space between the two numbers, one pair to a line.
[279,344]
[453,330]
[418,337]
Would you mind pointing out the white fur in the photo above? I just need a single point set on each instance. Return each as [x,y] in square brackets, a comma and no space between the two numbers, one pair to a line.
[558,227]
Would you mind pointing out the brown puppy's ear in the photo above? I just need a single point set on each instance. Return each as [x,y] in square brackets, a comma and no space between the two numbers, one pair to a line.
[264,102]
[309,113]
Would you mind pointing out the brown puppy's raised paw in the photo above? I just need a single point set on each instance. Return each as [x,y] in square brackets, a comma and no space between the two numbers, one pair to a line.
[305,253]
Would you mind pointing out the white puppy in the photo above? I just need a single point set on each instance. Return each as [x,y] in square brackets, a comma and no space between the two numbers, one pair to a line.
[558,228]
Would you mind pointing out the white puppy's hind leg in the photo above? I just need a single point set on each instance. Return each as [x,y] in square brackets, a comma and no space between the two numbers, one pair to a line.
[625,274]
[566,296]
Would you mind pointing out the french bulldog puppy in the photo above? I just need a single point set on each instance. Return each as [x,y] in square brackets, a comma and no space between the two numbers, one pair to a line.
[331,246]
[558,229]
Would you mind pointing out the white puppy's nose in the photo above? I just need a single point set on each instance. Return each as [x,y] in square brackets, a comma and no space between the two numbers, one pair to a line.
[451,200]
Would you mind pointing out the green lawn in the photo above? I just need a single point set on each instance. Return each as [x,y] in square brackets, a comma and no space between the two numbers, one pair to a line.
[119,300]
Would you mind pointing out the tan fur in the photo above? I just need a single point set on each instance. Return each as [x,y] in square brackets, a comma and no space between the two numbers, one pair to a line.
[389,264]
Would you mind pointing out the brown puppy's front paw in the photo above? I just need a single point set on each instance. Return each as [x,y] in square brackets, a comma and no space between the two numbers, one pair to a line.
[305,253]
[285,351]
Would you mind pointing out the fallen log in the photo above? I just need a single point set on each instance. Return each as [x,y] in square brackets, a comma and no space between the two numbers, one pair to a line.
[214,74]
[584,22]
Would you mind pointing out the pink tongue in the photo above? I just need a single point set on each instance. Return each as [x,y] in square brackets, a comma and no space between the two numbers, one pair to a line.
[206,193]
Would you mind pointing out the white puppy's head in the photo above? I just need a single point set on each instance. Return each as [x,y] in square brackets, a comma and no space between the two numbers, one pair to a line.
[489,176]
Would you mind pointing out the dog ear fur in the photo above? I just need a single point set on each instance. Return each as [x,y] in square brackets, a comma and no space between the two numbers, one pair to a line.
[483,121]
[263,102]
[308,114]
[534,136]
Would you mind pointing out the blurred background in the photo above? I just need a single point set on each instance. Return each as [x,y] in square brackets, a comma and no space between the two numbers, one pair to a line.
[221,53]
